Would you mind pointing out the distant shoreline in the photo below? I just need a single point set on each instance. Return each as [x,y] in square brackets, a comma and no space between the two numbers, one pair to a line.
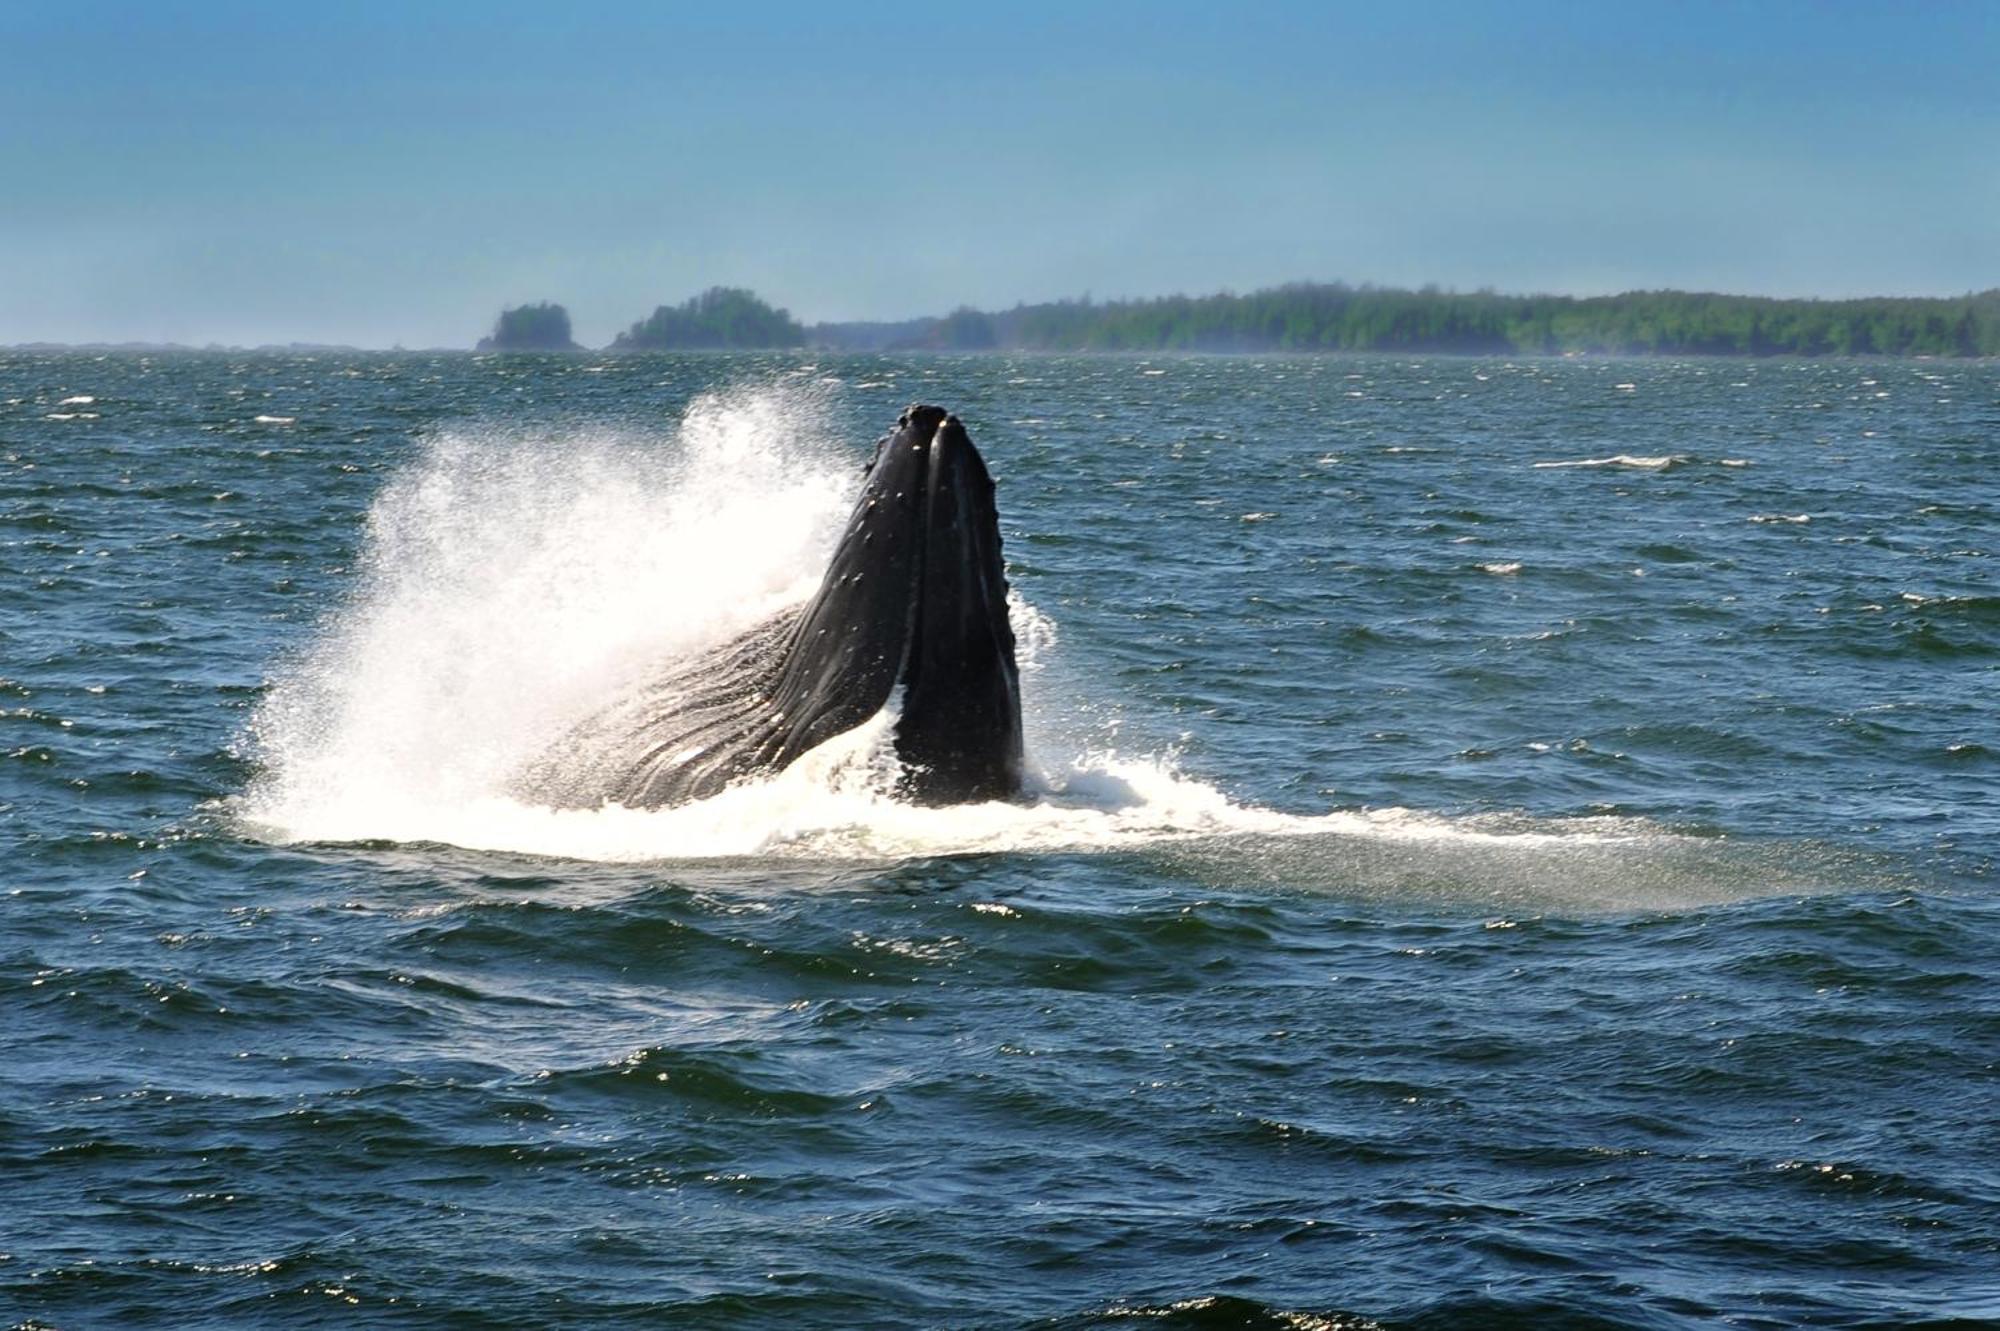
[1117,353]
[1295,318]
[1334,317]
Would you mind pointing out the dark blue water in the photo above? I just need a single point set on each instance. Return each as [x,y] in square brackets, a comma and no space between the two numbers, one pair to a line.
[1462,891]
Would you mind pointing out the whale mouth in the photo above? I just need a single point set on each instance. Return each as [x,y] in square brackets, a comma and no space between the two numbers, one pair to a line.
[958,732]
[918,588]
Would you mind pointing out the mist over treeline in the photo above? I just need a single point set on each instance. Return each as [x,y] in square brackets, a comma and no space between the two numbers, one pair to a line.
[1305,317]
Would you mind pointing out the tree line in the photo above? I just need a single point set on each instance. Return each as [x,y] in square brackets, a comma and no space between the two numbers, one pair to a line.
[1337,317]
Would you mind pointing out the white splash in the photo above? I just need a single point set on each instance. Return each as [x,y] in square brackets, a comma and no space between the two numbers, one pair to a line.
[1641,463]
[509,584]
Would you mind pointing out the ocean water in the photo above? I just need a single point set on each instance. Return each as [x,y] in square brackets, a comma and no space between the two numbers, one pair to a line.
[1512,846]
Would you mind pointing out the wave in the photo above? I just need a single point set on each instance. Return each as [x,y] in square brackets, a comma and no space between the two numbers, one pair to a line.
[1661,463]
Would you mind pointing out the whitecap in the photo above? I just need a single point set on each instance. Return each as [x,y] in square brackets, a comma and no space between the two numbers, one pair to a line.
[1638,461]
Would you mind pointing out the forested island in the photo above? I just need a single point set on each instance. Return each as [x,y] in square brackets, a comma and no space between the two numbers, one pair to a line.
[543,327]
[1305,317]
[1338,317]
[720,318]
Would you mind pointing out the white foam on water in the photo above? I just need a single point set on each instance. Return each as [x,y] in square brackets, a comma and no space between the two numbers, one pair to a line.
[837,803]
[1619,460]
[512,584]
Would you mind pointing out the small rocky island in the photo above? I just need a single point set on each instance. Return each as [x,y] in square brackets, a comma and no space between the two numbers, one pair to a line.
[543,327]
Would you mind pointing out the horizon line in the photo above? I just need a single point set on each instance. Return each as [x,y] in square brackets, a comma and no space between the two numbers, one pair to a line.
[1086,298]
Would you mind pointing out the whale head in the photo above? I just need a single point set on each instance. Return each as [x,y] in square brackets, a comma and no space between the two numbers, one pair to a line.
[913,610]
[911,614]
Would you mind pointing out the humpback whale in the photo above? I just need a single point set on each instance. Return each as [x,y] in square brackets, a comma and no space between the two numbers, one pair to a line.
[913,607]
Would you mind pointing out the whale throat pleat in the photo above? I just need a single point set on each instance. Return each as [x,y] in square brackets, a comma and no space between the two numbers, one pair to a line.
[701,723]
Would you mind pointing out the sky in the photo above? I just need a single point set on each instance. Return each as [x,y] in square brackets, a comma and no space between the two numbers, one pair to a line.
[378,174]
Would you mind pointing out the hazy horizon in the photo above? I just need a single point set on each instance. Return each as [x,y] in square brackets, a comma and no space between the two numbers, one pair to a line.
[487,329]
[240,175]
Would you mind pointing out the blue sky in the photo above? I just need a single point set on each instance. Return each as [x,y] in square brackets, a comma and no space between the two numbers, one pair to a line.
[383,173]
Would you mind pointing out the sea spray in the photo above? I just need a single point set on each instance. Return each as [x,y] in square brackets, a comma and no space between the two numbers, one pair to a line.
[511,582]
